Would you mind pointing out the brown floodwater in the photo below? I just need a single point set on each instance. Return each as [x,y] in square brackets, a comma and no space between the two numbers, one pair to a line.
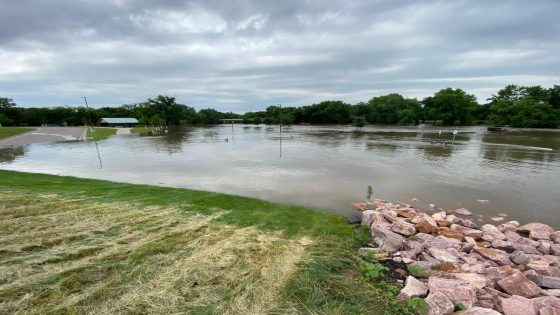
[328,167]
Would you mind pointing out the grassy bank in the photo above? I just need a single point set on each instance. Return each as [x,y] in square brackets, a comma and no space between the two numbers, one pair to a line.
[100,133]
[6,132]
[70,245]
[142,129]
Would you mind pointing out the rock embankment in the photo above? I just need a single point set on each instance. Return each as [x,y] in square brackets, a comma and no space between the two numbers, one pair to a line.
[451,260]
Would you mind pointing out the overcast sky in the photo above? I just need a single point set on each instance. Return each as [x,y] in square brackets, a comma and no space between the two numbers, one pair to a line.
[245,55]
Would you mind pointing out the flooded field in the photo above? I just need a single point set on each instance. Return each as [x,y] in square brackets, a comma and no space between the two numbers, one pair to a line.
[327,167]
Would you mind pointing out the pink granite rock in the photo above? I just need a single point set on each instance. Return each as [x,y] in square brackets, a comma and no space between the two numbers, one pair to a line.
[439,304]
[456,290]
[552,292]
[466,231]
[476,280]
[498,273]
[387,240]
[555,249]
[442,254]
[518,284]
[550,282]
[495,255]
[537,231]
[463,211]
[518,305]
[520,258]
[541,267]
[439,215]
[492,231]
[547,301]
[413,288]
[477,311]
[403,228]
[503,245]
[468,223]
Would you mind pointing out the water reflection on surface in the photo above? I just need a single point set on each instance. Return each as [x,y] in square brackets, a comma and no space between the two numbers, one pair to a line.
[327,167]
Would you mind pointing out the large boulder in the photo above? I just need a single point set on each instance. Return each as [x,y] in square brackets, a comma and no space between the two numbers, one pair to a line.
[439,304]
[537,231]
[413,288]
[456,290]
[388,241]
[518,284]
[518,305]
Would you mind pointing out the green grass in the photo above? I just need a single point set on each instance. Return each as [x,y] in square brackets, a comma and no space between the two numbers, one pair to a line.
[74,245]
[6,132]
[142,129]
[100,133]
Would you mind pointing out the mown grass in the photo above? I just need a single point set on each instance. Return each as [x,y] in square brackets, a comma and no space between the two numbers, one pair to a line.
[100,133]
[142,129]
[6,132]
[71,245]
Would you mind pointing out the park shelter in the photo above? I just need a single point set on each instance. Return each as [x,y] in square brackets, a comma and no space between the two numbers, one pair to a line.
[118,122]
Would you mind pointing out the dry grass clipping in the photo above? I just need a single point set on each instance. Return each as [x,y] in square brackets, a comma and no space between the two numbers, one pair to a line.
[60,255]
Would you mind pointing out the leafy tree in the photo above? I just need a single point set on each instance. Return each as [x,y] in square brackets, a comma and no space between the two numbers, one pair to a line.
[6,103]
[208,116]
[359,121]
[520,106]
[411,114]
[451,106]
[155,120]
[385,109]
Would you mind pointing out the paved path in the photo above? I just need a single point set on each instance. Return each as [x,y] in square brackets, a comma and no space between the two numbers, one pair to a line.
[47,134]
[123,131]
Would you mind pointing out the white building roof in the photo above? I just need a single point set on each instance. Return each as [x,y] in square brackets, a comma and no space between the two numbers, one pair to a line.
[119,120]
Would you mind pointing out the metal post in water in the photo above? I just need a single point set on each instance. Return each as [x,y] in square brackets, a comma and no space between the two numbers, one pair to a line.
[454,134]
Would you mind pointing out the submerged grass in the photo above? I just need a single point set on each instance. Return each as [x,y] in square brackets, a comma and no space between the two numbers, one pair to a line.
[6,132]
[100,133]
[71,245]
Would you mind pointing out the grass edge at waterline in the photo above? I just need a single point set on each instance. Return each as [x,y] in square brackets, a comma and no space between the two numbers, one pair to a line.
[8,132]
[99,133]
[326,279]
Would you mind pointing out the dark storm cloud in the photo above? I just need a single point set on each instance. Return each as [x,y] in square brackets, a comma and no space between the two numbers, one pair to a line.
[245,55]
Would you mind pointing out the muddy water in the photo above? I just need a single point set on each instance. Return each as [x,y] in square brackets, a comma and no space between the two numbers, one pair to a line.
[328,167]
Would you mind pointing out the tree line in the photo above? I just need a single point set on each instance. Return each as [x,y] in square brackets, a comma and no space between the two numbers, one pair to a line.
[515,106]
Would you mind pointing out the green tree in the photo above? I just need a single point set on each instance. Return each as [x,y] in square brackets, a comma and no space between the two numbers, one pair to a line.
[451,106]
[521,106]
[6,103]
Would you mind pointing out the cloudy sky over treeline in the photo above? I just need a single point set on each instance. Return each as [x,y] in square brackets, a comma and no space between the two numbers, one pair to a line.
[246,55]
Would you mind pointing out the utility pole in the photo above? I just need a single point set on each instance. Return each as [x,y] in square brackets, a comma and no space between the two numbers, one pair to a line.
[88,114]
[280,120]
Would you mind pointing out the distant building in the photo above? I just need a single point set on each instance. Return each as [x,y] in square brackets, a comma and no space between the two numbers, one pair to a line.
[118,122]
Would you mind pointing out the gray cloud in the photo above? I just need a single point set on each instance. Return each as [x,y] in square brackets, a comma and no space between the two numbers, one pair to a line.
[246,55]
